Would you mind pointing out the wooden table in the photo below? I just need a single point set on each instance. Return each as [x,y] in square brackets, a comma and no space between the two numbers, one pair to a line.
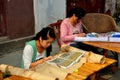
[113,46]
[107,46]
[89,70]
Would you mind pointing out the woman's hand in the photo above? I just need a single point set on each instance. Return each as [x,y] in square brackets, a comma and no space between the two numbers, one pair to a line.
[81,35]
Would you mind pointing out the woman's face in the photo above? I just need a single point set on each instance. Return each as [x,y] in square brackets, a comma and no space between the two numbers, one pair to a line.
[76,20]
[46,43]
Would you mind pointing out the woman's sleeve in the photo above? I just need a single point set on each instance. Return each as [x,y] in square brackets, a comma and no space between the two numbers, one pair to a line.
[64,33]
[27,56]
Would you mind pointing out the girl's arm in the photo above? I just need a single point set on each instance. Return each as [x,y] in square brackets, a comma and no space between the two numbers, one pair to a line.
[33,64]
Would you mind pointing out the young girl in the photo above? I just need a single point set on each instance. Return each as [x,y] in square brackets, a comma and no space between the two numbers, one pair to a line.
[34,52]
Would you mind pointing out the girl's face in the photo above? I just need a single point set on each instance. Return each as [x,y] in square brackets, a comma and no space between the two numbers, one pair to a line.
[46,43]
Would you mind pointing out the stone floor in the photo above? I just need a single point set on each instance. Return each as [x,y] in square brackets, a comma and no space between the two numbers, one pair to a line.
[14,58]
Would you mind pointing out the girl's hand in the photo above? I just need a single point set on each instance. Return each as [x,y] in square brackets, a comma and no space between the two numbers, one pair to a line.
[50,57]
[44,59]
[40,61]
[47,58]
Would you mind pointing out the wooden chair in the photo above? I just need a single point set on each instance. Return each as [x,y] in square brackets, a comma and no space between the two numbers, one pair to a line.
[56,27]
[98,22]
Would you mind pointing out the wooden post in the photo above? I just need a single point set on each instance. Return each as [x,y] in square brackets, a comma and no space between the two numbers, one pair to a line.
[1,75]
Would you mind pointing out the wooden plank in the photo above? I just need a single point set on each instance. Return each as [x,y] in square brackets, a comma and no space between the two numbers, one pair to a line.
[78,76]
[71,77]
[14,77]
[85,71]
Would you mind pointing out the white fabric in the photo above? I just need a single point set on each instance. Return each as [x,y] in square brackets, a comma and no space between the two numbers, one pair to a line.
[39,55]
[28,54]
[80,39]
[75,31]
[114,39]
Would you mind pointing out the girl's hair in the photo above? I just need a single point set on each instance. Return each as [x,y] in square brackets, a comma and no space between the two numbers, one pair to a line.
[45,33]
[79,12]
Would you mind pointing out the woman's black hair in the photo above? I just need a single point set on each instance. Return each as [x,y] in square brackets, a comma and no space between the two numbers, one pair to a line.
[79,12]
[45,33]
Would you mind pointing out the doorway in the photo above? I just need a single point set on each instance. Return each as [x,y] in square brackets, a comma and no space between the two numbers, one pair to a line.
[90,6]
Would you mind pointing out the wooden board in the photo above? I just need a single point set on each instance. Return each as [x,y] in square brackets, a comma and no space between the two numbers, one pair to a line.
[14,77]
[88,70]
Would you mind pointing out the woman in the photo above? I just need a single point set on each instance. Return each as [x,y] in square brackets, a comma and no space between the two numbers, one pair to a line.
[71,27]
[34,52]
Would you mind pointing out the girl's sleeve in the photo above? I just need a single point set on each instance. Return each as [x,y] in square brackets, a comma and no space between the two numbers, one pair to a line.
[27,56]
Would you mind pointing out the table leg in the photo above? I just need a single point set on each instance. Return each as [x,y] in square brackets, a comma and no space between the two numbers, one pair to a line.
[1,75]
[115,54]
[92,77]
[96,76]
[105,52]
[116,58]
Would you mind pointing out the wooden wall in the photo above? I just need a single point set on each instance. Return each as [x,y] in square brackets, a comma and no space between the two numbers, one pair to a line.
[19,18]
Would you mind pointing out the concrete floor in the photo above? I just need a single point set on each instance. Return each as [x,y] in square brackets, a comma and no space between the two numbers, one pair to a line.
[14,59]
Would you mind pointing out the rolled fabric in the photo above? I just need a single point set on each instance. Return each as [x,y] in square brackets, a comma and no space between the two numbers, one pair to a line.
[67,48]
[11,70]
[96,58]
